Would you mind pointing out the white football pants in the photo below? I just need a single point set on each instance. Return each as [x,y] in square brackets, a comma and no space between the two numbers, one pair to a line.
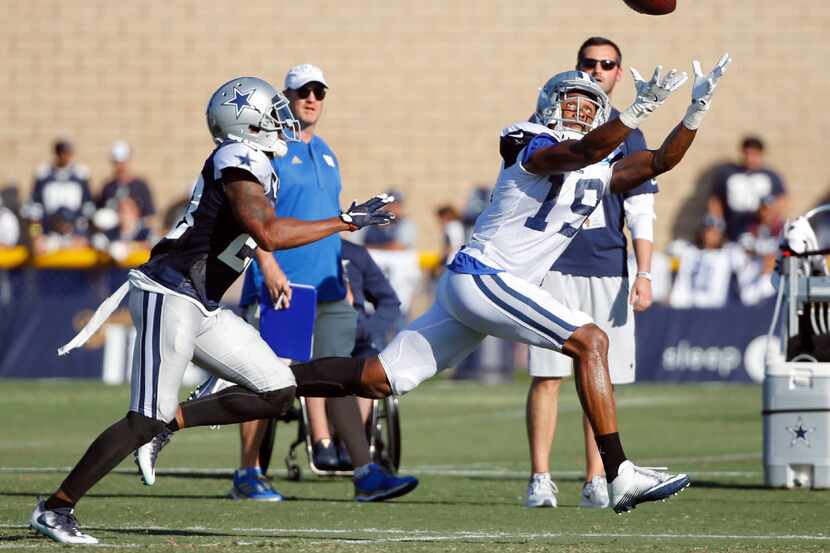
[466,309]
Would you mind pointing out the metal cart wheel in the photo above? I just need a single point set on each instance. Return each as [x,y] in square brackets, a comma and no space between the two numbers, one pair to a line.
[385,434]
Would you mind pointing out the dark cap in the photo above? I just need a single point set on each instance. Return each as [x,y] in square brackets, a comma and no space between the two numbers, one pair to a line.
[63,146]
[752,142]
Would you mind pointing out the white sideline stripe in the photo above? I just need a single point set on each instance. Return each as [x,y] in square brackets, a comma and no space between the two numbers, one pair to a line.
[405,535]
[429,470]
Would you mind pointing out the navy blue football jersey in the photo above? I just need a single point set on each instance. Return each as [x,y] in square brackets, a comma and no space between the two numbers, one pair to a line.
[208,249]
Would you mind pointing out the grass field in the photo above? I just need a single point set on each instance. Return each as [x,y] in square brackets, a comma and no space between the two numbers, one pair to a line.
[467,444]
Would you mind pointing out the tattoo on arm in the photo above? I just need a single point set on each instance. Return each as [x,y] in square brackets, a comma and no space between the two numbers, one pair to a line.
[249,204]
[256,215]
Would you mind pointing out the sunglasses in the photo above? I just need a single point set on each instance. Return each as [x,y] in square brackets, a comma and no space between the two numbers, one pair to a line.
[318,89]
[590,63]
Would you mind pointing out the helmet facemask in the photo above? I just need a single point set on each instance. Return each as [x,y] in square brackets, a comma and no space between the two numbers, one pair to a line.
[571,110]
[280,121]
[572,89]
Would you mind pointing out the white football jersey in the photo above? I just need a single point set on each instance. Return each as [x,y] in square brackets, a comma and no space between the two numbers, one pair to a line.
[531,219]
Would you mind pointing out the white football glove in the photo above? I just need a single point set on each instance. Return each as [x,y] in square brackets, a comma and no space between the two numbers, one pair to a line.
[702,89]
[650,94]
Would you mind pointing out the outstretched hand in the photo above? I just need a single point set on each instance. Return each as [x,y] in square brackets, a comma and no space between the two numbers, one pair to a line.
[649,95]
[368,213]
[702,89]
[655,91]
[704,85]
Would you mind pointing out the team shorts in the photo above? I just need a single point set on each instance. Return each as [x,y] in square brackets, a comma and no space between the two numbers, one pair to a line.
[605,299]
[466,309]
[171,331]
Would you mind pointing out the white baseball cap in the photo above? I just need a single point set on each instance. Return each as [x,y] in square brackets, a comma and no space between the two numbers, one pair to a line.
[302,74]
[120,151]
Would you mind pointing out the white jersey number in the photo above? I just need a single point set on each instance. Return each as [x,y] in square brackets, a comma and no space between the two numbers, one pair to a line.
[238,253]
[592,188]
[187,220]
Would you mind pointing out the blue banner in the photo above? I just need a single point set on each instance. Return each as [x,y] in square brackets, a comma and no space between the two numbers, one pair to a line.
[694,345]
[42,310]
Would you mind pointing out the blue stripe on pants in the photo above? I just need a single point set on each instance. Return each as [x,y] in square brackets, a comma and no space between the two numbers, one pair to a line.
[539,309]
[156,351]
[516,313]
[140,343]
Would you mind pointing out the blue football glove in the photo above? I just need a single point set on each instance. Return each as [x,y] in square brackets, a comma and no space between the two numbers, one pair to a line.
[368,213]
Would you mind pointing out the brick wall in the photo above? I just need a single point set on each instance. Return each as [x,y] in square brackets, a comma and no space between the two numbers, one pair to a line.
[419,90]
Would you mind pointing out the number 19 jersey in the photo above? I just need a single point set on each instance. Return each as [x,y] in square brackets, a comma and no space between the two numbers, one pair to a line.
[531,219]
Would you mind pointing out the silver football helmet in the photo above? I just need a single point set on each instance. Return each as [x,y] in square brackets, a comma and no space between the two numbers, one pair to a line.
[549,110]
[249,110]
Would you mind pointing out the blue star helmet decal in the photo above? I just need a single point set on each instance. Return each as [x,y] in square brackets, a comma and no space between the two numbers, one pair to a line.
[240,101]
[245,160]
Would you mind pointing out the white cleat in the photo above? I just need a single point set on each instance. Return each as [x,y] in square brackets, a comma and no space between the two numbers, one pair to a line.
[595,493]
[634,485]
[147,455]
[60,525]
[541,491]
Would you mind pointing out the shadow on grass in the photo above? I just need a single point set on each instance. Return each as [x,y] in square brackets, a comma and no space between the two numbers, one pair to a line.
[164,532]
[35,495]
[24,535]
[713,484]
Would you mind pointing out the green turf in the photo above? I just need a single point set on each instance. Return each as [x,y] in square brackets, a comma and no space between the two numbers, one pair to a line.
[712,432]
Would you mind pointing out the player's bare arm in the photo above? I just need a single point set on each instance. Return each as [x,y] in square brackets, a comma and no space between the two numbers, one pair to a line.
[255,213]
[639,166]
[571,155]
[576,154]
[634,169]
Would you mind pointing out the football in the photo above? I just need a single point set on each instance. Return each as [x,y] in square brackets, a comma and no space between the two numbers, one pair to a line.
[652,7]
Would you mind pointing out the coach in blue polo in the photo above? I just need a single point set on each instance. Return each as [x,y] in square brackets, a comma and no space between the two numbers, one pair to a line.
[309,176]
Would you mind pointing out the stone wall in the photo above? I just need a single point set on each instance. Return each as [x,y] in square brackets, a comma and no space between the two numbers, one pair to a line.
[419,90]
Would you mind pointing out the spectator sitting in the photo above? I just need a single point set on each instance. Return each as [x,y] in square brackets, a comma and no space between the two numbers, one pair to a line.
[476,203]
[378,307]
[399,235]
[763,235]
[393,249]
[9,228]
[452,230]
[705,269]
[130,233]
[739,188]
[61,202]
[760,243]
[60,231]
[124,184]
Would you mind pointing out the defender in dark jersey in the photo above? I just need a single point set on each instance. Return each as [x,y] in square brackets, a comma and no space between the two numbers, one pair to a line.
[174,299]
